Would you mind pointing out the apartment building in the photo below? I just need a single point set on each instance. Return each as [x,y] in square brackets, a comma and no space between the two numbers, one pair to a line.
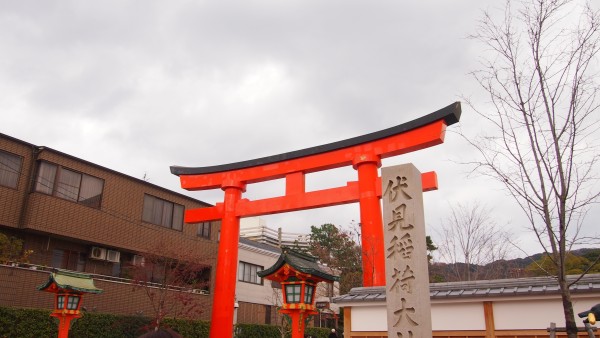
[80,216]
[257,298]
[256,229]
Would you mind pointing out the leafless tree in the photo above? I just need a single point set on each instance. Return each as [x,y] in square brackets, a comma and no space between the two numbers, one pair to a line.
[470,239]
[540,71]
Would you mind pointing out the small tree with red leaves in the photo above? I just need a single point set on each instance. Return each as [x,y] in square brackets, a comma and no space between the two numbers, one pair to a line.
[171,277]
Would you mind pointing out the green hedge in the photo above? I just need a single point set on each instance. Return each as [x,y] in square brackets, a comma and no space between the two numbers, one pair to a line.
[189,328]
[27,323]
[317,332]
[269,331]
[104,325]
[36,323]
[256,331]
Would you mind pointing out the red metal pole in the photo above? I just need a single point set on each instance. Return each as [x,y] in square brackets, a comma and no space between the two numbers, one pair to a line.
[221,325]
[373,258]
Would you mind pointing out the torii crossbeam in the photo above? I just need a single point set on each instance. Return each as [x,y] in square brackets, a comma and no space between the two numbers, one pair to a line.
[364,153]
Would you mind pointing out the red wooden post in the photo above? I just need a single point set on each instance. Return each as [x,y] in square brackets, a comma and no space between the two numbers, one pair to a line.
[297,319]
[371,220]
[225,277]
[64,324]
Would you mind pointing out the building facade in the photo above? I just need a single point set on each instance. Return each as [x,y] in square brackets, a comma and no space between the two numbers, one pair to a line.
[257,298]
[507,308]
[76,215]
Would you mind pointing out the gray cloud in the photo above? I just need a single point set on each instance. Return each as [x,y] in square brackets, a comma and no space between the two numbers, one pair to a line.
[139,86]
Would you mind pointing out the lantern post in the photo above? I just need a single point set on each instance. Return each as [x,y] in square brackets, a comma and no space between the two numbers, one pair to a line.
[69,288]
[298,274]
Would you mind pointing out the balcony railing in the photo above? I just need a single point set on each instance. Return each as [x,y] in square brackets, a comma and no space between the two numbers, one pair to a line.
[106,278]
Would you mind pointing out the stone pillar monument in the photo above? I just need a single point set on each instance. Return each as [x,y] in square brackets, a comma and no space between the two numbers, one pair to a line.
[407,278]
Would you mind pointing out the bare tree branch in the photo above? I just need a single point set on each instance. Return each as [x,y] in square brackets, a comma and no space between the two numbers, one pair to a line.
[470,236]
[542,144]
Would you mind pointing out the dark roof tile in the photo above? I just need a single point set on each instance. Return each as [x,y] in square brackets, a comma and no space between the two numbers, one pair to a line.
[486,288]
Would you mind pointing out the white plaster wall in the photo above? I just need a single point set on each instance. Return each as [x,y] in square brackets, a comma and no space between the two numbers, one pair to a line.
[536,314]
[457,316]
[369,318]
[509,313]
[252,222]
[254,293]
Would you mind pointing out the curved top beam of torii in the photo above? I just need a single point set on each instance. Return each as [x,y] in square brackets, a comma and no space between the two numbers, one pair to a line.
[270,167]
[417,134]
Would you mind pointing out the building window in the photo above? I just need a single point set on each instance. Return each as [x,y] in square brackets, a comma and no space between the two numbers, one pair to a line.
[10,169]
[247,273]
[70,185]
[69,260]
[204,229]
[160,212]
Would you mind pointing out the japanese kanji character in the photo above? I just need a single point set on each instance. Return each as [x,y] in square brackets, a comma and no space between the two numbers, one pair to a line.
[405,312]
[402,246]
[398,215]
[403,279]
[392,190]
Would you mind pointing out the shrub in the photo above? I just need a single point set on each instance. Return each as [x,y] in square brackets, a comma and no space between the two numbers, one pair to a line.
[256,331]
[36,323]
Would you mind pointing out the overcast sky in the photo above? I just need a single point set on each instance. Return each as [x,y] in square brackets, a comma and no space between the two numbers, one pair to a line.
[138,86]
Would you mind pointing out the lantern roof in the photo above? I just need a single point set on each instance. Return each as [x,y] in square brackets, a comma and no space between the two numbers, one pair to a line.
[71,281]
[301,262]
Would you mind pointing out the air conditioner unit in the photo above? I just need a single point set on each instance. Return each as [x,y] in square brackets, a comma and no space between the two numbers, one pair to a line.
[113,256]
[98,253]
[138,260]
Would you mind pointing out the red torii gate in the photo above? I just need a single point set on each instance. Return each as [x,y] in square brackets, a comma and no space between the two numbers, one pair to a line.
[364,153]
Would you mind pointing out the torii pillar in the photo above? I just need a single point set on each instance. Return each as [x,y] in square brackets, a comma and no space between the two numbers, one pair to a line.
[364,153]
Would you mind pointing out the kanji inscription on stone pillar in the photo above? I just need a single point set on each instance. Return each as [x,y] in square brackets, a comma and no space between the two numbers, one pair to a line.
[407,278]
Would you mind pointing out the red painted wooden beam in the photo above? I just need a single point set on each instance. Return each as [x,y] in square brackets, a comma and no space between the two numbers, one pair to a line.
[296,201]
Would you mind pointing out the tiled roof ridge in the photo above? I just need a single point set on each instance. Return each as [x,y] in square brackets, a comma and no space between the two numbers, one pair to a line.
[482,288]
[300,261]
[260,245]
[299,254]
[513,282]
